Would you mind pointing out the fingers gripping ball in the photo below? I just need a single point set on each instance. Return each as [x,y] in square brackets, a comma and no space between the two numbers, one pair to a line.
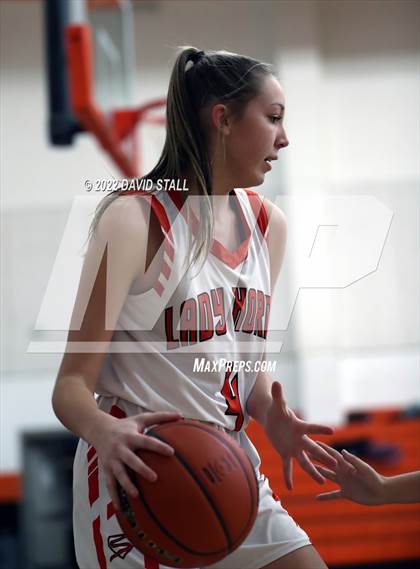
[203,504]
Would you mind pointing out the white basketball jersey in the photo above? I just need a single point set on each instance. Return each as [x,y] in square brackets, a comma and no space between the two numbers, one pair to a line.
[220,315]
[179,346]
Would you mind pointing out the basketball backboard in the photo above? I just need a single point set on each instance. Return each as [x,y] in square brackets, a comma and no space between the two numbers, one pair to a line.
[91,77]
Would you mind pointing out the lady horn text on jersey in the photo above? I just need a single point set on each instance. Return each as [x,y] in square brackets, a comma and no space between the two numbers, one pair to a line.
[200,318]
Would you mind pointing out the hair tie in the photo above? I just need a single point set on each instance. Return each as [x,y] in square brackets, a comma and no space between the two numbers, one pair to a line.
[193,59]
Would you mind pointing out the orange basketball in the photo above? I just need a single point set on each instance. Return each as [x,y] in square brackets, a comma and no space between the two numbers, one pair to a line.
[203,504]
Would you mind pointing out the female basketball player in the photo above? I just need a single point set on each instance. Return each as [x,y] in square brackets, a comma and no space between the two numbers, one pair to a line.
[194,282]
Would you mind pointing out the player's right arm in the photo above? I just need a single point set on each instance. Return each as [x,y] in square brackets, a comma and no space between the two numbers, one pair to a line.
[115,256]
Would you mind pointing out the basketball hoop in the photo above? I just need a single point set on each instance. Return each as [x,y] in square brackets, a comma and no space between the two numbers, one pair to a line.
[117,133]
[96,89]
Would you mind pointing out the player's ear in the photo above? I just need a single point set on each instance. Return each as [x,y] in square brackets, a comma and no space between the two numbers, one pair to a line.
[220,118]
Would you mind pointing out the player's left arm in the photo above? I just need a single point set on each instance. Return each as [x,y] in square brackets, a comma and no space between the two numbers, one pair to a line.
[266,404]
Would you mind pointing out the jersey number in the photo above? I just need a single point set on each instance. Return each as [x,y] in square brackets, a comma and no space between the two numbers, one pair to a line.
[231,393]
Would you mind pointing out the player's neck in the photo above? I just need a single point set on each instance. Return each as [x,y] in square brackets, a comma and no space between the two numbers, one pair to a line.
[220,197]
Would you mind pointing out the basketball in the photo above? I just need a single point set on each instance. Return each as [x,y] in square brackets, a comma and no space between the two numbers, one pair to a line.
[203,504]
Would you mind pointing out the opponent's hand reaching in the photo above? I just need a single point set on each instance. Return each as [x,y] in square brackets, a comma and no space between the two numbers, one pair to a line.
[289,437]
[116,445]
[357,480]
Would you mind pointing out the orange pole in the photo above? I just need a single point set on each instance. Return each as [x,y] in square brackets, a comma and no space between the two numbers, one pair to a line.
[80,66]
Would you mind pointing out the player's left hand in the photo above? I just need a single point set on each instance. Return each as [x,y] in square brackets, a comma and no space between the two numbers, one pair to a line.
[289,436]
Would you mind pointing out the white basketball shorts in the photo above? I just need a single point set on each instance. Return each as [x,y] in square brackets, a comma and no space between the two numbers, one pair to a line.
[101,544]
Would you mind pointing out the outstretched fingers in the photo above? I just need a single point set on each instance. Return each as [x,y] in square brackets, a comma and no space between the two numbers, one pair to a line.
[308,467]
[315,429]
[329,474]
[342,464]
[288,472]
[319,453]
[331,451]
[355,461]
[329,496]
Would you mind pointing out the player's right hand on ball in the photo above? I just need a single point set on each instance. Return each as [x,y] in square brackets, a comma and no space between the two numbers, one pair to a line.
[117,444]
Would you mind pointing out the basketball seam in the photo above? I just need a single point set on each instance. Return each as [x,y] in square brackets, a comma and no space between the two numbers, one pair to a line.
[209,499]
[169,534]
[225,444]
[209,430]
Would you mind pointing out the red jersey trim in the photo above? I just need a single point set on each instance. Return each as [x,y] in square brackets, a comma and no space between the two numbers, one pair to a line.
[259,210]
[165,271]
[99,544]
[117,412]
[150,563]
[159,210]
[230,258]
[162,217]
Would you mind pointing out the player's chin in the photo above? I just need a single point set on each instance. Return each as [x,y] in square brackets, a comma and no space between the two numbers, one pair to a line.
[252,177]
[258,178]
[255,178]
